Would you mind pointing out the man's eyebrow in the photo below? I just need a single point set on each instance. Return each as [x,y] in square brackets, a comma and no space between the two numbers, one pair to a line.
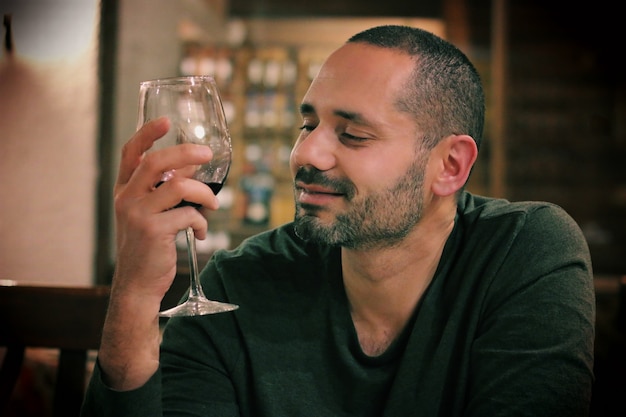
[352,116]
[307,108]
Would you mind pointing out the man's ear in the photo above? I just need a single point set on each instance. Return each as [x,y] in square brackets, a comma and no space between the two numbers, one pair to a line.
[456,154]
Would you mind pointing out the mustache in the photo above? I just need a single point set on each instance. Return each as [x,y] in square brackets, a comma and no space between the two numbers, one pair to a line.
[310,175]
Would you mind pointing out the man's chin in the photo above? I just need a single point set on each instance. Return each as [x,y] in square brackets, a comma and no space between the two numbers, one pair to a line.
[303,226]
[309,228]
[315,232]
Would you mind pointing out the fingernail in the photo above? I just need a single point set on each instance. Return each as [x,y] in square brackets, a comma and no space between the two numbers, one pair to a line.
[162,120]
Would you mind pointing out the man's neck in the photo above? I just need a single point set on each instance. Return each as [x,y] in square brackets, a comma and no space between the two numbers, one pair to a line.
[384,285]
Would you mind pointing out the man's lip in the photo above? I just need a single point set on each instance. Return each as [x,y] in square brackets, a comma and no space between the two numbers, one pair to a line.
[316,195]
[315,189]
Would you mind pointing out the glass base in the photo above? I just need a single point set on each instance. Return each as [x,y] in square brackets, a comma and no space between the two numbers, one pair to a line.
[198,306]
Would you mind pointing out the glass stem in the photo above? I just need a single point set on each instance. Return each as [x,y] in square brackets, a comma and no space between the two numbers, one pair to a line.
[195,290]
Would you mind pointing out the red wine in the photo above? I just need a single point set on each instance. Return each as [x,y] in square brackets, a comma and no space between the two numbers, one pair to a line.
[214,186]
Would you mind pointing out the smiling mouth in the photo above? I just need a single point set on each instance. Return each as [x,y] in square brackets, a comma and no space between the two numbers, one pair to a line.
[316,195]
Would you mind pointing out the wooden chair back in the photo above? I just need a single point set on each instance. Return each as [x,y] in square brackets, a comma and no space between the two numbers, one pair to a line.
[69,319]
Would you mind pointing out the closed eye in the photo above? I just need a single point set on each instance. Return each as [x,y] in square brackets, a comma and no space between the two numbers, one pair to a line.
[350,137]
[307,128]
[354,141]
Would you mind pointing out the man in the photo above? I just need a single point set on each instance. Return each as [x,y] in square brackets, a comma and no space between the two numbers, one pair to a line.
[394,292]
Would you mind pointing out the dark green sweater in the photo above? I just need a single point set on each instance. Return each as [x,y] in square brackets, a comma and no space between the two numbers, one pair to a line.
[506,328]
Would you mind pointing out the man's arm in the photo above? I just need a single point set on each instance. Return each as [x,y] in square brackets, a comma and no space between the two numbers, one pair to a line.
[145,267]
[534,352]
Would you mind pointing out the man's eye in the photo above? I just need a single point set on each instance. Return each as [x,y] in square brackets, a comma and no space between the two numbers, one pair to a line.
[353,138]
[307,128]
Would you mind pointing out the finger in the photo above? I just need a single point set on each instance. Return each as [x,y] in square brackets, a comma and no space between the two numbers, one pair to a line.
[172,192]
[172,221]
[134,149]
[183,159]
[185,172]
[198,223]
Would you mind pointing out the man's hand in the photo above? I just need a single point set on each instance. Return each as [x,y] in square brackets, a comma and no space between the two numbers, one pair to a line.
[146,229]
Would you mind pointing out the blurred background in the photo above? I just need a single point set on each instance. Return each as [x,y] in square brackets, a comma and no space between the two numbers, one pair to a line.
[69,75]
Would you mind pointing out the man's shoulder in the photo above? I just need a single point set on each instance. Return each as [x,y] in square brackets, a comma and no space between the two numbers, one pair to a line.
[482,207]
[535,223]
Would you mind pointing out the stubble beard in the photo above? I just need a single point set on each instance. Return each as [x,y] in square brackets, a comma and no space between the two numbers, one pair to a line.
[379,220]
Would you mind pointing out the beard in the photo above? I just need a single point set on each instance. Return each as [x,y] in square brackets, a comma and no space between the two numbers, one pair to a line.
[382,219]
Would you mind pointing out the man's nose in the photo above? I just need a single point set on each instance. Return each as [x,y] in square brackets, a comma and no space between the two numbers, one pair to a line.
[317,149]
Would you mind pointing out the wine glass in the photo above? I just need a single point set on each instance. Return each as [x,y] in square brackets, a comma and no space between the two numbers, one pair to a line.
[194,108]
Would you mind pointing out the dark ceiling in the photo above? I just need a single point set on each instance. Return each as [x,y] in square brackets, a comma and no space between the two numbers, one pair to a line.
[341,8]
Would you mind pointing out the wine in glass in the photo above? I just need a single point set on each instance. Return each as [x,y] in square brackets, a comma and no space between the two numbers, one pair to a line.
[196,115]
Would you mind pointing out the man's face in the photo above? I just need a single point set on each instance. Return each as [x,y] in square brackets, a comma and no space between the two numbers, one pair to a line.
[357,165]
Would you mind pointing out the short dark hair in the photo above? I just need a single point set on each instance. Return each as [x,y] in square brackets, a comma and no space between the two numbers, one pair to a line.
[445,92]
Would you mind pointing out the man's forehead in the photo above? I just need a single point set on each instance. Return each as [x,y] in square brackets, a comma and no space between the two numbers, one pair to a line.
[361,61]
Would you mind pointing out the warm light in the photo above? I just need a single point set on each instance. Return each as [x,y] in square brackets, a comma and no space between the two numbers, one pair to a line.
[48,30]
[199,132]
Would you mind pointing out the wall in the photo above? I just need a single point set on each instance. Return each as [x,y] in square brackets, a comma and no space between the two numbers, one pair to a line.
[48,120]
